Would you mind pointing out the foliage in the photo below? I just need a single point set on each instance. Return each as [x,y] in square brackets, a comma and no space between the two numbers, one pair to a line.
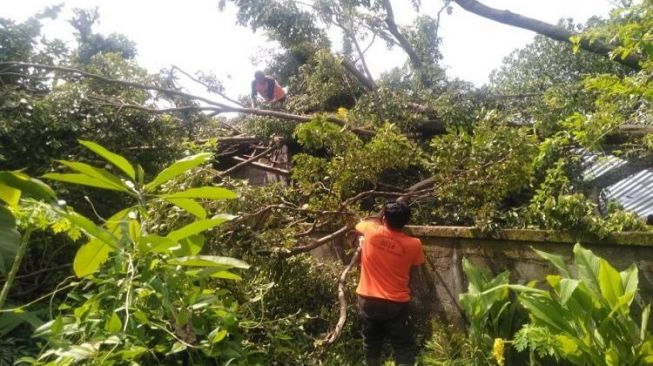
[143,296]
[447,347]
[586,318]
[495,162]
[489,310]
[556,206]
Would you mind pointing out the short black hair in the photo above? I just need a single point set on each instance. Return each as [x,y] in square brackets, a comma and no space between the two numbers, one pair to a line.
[396,214]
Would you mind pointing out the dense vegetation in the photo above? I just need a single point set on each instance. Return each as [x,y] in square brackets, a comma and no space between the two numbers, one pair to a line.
[142,248]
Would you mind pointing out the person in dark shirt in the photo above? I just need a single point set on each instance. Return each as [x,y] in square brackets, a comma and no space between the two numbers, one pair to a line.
[268,88]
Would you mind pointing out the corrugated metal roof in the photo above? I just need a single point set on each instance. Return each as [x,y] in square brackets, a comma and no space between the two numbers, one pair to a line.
[634,193]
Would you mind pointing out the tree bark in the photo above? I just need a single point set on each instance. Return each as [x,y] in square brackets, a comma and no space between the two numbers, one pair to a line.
[546,29]
[403,42]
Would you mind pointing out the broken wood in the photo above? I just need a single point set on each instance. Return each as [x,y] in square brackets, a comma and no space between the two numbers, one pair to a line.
[342,300]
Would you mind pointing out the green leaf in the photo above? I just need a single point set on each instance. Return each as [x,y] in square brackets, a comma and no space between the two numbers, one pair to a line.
[10,195]
[28,186]
[587,266]
[557,260]
[115,220]
[113,158]
[9,242]
[217,335]
[157,244]
[7,219]
[177,168]
[545,310]
[198,226]
[113,324]
[610,283]
[96,173]
[213,193]
[93,230]
[177,347]
[226,275]
[630,279]
[567,288]
[9,239]
[190,205]
[646,313]
[209,261]
[82,179]
[90,257]
[191,245]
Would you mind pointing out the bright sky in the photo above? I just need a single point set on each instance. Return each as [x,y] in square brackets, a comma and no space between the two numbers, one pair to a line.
[194,35]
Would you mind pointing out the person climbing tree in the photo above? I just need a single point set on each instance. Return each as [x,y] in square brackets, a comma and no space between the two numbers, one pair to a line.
[268,88]
[387,258]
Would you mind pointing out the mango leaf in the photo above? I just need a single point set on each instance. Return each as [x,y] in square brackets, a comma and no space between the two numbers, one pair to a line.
[9,195]
[113,221]
[90,257]
[96,173]
[191,245]
[587,266]
[28,186]
[93,230]
[213,193]
[209,261]
[198,226]
[190,205]
[157,244]
[81,179]
[214,273]
[557,260]
[610,283]
[177,168]
[226,275]
[9,239]
[113,158]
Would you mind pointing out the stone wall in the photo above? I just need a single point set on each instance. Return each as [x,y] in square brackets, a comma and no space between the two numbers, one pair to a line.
[511,250]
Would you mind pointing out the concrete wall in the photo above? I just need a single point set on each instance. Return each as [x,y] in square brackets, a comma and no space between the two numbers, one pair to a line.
[511,250]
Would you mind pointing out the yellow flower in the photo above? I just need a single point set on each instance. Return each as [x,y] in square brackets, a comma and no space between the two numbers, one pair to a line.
[497,351]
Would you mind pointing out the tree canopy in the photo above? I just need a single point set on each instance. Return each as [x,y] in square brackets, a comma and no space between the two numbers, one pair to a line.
[511,154]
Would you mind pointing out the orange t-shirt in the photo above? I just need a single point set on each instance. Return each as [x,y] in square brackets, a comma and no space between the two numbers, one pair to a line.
[277,91]
[386,260]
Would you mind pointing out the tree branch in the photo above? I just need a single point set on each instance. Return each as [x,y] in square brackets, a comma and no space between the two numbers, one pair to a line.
[403,42]
[546,29]
[367,83]
[342,299]
[308,247]
[13,64]
[262,166]
[208,87]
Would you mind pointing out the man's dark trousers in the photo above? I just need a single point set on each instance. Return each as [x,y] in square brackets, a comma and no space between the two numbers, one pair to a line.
[383,318]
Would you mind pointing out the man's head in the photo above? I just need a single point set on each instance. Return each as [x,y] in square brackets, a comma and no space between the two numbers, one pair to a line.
[396,215]
[259,75]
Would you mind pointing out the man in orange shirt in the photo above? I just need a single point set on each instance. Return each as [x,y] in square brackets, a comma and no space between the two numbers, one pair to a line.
[268,88]
[387,258]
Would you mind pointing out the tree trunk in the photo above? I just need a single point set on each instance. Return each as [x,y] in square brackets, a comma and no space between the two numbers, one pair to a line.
[546,29]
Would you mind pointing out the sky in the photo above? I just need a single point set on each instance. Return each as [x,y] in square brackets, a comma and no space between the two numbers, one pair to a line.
[194,35]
